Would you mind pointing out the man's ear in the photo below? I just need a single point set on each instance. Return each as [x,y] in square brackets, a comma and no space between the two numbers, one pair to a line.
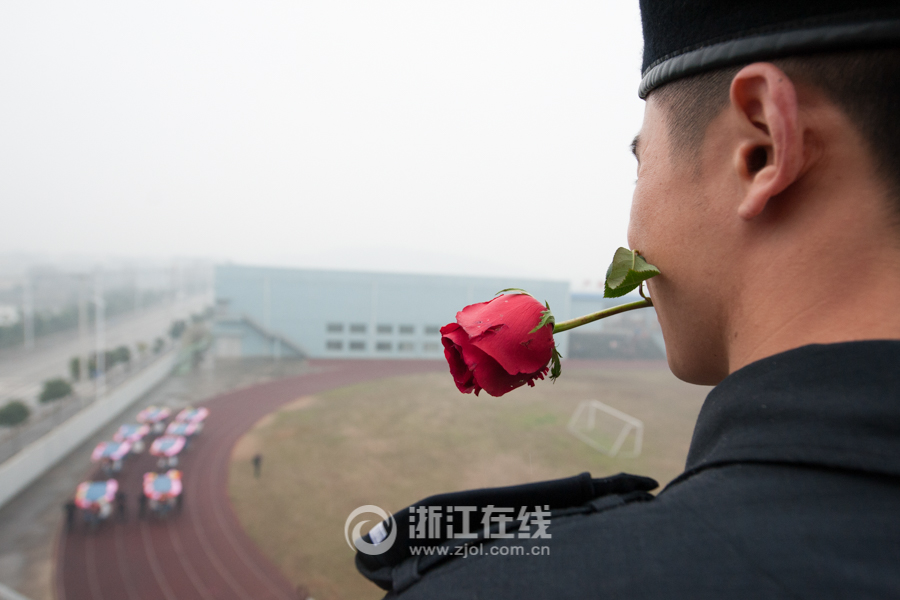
[769,157]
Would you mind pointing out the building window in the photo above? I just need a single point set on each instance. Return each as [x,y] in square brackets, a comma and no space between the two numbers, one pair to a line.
[383,346]
[407,329]
[405,347]
[357,327]
[334,345]
[432,330]
[334,328]
[385,329]
[357,346]
[431,347]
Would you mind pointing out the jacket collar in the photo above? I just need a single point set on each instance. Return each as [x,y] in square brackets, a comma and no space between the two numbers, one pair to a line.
[832,406]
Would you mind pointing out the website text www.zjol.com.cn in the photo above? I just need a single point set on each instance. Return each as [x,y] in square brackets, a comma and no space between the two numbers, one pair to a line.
[479,550]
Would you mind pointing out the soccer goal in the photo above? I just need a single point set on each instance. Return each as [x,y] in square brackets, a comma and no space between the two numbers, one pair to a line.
[606,429]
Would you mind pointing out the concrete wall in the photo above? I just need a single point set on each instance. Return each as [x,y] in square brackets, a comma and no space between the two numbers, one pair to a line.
[37,458]
[334,314]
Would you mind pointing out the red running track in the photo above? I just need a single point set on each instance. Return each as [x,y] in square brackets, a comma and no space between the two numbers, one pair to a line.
[201,552]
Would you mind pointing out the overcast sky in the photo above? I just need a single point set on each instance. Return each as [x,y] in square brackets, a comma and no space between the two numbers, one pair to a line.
[474,137]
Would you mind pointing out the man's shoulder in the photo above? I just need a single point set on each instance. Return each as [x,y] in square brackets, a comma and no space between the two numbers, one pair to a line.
[444,533]
[563,563]
[742,531]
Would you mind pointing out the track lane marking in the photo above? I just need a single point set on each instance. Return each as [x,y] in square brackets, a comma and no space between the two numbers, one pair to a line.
[90,566]
[213,557]
[186,563]
[218,482]
[124,571]
[154,564]
[59,557]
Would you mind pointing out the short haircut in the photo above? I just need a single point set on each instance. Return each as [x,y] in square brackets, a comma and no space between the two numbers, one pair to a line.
[864,84]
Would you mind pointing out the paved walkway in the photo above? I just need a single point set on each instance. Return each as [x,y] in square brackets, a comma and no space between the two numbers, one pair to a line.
[203,551]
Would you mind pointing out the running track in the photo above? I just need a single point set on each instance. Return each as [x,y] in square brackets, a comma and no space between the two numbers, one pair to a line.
[202,552]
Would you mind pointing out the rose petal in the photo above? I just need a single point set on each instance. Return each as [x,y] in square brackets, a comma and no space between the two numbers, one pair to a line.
[452,339]
[488,373]
[478,318]
[502,329]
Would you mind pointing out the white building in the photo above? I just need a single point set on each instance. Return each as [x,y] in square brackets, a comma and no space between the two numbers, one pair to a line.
[265,311]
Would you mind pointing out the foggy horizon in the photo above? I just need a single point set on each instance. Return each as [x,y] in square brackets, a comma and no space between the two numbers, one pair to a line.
[467,140]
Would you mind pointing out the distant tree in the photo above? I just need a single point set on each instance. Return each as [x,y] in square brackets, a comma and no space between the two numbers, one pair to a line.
[142,349]
[12,335]
[13,413]
[110,359]
[122,354]
[177,329]
[194,334]
[158,345]
[75,368]
[55,389]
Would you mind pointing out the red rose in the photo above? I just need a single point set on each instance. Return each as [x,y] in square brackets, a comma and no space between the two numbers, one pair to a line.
[491,346]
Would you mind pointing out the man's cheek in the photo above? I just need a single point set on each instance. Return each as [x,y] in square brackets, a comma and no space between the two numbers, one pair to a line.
[637,223]
[631,232]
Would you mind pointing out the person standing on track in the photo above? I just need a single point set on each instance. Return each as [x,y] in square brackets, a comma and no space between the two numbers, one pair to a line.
[71,508]
[121,505]
[257,465]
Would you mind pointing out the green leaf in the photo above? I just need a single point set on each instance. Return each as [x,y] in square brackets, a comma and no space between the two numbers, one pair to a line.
[626,272]
[555,365]
[546,317]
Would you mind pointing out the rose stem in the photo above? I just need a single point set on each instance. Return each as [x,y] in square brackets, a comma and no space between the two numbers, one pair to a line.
[578,322]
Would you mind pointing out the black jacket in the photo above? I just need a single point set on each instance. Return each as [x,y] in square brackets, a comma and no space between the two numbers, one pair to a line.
[791,490]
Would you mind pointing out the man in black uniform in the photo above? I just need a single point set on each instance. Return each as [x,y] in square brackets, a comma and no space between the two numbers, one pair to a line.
[768,195]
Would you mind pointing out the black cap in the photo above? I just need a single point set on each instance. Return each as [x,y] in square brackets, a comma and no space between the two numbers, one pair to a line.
[687,37]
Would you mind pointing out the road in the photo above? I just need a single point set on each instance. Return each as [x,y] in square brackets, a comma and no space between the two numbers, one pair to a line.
[22,372]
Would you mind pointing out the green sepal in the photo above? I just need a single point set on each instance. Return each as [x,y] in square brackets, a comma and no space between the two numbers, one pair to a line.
[555,365]
[546,317]
[517,290]
[626,272]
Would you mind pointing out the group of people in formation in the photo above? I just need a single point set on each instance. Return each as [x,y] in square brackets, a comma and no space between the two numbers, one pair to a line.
[161,491]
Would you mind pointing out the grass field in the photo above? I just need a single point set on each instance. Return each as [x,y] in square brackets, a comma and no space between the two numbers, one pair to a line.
[395,441]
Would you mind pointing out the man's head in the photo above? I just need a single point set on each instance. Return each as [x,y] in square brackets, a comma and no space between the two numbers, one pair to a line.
[768,193]
[864,84]
[756,185]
